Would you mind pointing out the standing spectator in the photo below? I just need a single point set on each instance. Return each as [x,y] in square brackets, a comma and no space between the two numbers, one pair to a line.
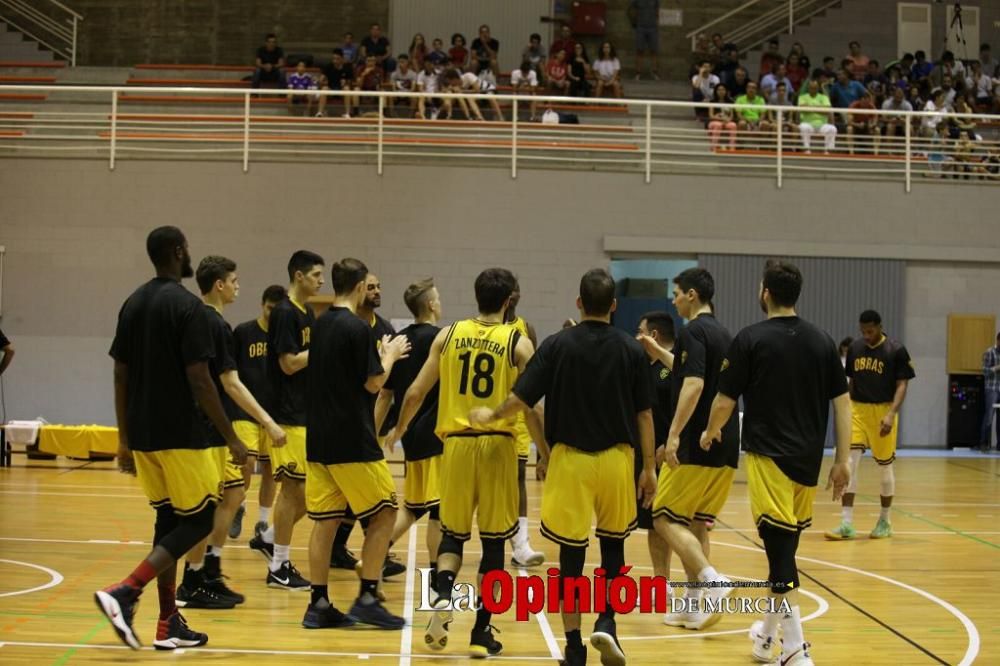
[557,73]
[991,386]
[579,72]
[377,45]
[895,125]
[771,81]
[418,50]
[8,352]
[524,81]
[721,118]
[718,47]
[565,42]
[865,124]
[336,75]
[811,122]
[750,111]
[534,54]
[404,79]
[608,68]
[349,48]
[796,71]
[301,81]
[485,48]
[270,60]
[644,15]
[769,59]
[859,61]
[989,63]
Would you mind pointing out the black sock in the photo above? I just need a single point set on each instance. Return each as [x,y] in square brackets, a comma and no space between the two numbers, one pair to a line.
[343,534]
[445,584]
[369,586]
[482,616]
[319,592]
[434,575]
[573,638]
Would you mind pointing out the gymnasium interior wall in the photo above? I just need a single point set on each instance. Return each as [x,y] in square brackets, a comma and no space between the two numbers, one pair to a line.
[74,234]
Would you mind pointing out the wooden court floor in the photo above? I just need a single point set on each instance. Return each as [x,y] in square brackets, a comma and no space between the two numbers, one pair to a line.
[928,595]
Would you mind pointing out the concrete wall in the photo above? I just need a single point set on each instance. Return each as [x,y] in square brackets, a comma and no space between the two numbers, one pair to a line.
[74,234]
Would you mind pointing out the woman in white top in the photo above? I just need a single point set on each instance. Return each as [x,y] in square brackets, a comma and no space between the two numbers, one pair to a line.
[607,69]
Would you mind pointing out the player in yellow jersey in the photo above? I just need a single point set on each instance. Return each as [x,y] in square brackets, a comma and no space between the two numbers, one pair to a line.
[524,555]
[476,362]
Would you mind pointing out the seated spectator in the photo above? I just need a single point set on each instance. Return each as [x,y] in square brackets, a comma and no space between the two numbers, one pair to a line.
[914,97]
[607,70]
[404,79]
[859,61]
[720,118]
[564,43]
[801,54]
[770,58]
[458,55]
[270,60]
[451,82]
[830,68]
[437,53]
[377,45]
[484,50]
[702,51]
[349,49]
[534,54]
[845,91]
[336,75]
[895,79]
[418,51]
[796,72]
[961,122]
[979,85]
[921,70]
[949,91]
[860,123]
[771,81]
[895,125]
[751,115]
[931,124]
[786,123]
[948,67]
[579,72]
[718,45]
[779,96]
[811,122]
[727,66]
[557,74]
[991,67]
[429,81]
[737,84]
[300,81]
[524,81]
[369,79]
[703,83]
[483,83]
[874,74]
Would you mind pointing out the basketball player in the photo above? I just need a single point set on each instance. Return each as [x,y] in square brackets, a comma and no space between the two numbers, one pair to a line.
[345,462]
[524,555]
[161,349]
[476,361]
[251,364]
[288,334]
[787,371]
[878,369]
[595,380]
[695,485]
[204,585]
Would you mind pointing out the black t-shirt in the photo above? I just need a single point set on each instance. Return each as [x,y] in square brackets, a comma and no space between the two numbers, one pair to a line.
[419,442]
[250,342]
[223,361]
[787,371]
[3,341]
[288,331]
[341,423]
[270,57]
[336,76]
[699,351]
[663,406]
[875,370]
[382,327]
[162,329]
[373,47]
[480,49]
[595,379]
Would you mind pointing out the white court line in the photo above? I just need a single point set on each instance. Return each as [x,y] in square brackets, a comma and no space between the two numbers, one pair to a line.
[406,640]
[544,626]
[55,578]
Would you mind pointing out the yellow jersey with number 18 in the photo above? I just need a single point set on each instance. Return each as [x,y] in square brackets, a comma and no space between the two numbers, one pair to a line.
[478,369]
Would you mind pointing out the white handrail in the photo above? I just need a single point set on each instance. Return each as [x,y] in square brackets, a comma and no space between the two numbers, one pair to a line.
[694,33]
[60,33]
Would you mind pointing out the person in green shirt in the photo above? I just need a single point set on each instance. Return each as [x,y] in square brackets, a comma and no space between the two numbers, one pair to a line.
[811,122]
[750,111]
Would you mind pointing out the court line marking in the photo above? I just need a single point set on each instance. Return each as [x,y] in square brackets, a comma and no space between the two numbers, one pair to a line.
[54,578]
[543,625]
[406,640]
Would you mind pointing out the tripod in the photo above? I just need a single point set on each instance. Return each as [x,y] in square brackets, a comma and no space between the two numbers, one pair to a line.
[958,28]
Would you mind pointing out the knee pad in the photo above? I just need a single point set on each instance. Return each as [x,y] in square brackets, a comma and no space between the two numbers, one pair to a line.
[166,522]
[188,531]
[780,546]
[417,513]
[449,544]
[434,513]
[887,487]
[854,460]
[492,559]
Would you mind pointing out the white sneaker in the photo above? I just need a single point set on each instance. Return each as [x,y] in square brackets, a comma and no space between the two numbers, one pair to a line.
[799,657]
[677,619]
[763,645]
[703,619]
[320,114]
[525,556]
[436,633]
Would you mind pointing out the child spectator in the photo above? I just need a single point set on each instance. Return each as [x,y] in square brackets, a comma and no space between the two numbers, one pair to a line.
[811,122]
[437,55]
[534,54]
[404,79]
[557,73]
[484,50]
[336,75]
[579,72]
[301,81]
[458,55]
[721,118]
[607,69]
[418,51]
[349,48]
[270,60]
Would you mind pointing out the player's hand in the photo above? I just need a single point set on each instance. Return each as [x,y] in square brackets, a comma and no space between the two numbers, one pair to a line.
[237,451]
[275,434]
[390,440]
[541,469]
[840,476]
[670,452]
[395,348]
[126,463]
[885,426]
[647,487]
[709,438]
[660,455]
[480,416]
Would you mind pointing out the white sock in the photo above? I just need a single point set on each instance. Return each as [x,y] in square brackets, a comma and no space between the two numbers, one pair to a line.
[265,514]
[884,513]
[791,624]
[196,567]
[243,504]
[215,550]
[848,514]
[522,531]
[268,535]
[281,554]
[771,623]
[708,573]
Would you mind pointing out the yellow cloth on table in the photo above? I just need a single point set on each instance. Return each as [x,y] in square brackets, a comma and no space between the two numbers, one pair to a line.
[78,441]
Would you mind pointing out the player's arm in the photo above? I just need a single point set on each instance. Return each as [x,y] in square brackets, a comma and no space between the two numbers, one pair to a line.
[382,405]
[392,350]
[531,334]
[241,395]
[523,352]
[125,462]
[657,351]
[885,427]
[722,410]
[292,363]
[421,386]
[203,389]
[840,473]
[8,356]
[687,401]
[647,477]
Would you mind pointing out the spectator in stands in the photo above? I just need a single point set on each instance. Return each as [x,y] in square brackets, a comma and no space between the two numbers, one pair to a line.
[336,75]
[404,79]
[770,59]
[428,81]
[369,79]
[931,125]
[483,83]
[859,61]
[990,64]
[801,53]
[721,118]
[860,123]
[895,125]
[915,99]
[978,85]
[300,81]
[949,91]
[534,54]
[702,85]
[726,69]
[451,82]
[437,53]
[961,123]
[779,96]
[565,41]
[607,70]
[921,71]
[895,79]
[458,55]
[644,15]
[811,122]
[786,123]
[579,72]
[557,74]
[796,72]
[349,48]
[377,45]
[718,45]
[702,51]
[771,81]
[949,67]
[418,51]
[270,60]
[845,91]
[874,74]
[484,50]
[524,81]
[751,115]
[737,85]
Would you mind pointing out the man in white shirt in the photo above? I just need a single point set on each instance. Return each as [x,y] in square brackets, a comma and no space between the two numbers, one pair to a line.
[895,125]
[524,81]
[404,79]
[428,82]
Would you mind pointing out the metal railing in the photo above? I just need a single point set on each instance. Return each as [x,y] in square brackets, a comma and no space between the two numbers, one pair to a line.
[647,137]
[778,19]
[56,29]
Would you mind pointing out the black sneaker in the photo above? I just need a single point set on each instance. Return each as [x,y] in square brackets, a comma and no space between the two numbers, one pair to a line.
[218,587]
[605,640]
[287,578]
[118,603]
[325,618]
[574,656]
[264,548]
[341,558]
[392,566]
[203,597]
[174,633]
[236,528]
[376,615]
[482,644]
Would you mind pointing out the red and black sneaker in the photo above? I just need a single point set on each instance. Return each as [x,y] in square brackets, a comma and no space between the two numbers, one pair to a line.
[174,633]
[118,603]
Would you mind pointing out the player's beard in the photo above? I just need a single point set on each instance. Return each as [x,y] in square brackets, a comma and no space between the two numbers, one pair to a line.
[186,270]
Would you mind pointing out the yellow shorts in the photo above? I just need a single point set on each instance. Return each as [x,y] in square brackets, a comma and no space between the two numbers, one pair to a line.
[775,499]
[252,434]
[580,484]
[481,474]
[290,460]
[186,479]
[866,421]
[691,492]
[365,487]
[522,438]
[422,488]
